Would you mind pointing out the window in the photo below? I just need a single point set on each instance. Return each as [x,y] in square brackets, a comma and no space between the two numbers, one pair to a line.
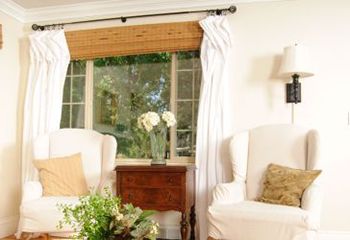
[109,94]
[73,108]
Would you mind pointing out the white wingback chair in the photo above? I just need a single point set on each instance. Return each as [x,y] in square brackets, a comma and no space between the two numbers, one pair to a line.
[235,215]
[40,214]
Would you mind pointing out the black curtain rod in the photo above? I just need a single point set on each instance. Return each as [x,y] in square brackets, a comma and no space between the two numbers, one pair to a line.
[231,9]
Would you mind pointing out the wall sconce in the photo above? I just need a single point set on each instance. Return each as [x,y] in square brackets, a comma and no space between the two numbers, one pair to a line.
[295,64]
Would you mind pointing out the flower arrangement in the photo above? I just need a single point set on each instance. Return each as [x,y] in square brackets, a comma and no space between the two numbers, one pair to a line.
[157,127]
[150,120]
[99,217]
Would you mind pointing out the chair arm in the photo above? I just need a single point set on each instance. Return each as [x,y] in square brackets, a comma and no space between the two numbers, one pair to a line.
[109,182]
[228,193]
[32,190]
[311,201]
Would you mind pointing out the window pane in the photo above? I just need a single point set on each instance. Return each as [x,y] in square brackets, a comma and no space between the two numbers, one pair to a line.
[197,61]
[184,144]
[185,60]
[124,88]
[79,67]
[189,76]
[65,116]
[69,71]
[78,91]
[184,84]
[196,105]
[66,91]
[73,114]
[197,83]
[78,116]
[184,115]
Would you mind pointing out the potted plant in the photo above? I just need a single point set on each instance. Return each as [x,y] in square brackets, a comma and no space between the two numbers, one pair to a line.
[103,217]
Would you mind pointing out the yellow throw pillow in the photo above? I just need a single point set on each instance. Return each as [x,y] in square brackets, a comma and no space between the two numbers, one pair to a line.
[285,186]
[63,176]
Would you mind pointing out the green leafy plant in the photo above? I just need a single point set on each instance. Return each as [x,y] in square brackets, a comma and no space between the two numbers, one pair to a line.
[102,217]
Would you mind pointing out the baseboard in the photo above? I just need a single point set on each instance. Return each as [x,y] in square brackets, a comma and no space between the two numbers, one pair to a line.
[169,232]
[8,226]
[333,235]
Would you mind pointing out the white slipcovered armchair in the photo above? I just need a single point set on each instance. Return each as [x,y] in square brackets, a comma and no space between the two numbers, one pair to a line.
[235,215]
[40,214]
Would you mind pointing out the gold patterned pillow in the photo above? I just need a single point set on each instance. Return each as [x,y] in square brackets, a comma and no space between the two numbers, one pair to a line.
[285,186]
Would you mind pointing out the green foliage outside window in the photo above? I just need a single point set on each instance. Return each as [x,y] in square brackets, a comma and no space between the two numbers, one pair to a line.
[124,88]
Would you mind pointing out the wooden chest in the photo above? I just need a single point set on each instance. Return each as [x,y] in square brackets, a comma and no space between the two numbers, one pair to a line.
[161,188]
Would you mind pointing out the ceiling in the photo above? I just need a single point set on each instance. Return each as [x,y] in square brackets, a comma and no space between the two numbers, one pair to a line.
[29,4]
[30,11]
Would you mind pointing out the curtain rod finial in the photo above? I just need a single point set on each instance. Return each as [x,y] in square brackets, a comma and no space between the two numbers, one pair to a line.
[232,9]
[37,27]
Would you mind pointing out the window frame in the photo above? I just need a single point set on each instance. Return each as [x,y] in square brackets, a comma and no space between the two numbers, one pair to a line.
[88,123]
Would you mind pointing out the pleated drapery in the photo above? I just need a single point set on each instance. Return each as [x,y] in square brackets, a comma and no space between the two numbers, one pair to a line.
[211,163]
[49,59]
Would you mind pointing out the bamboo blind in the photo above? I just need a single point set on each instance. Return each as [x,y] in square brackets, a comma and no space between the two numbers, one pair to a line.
[1,36]
[131,40]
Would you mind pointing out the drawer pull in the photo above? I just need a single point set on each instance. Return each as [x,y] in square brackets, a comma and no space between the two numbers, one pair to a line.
[129,196]
[171,181]
[170,198]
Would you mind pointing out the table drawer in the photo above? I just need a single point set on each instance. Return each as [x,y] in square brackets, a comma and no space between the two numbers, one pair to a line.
[151,196]
[150,179]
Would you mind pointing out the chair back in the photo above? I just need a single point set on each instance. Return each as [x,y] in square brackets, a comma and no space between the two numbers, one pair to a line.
[98,151]
[284,144]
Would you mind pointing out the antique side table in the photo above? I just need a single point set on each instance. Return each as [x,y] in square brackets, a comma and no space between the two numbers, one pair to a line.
[161,188]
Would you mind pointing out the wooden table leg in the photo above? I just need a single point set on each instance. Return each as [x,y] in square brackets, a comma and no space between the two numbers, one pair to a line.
[46,236]
[184,228]
[193,222]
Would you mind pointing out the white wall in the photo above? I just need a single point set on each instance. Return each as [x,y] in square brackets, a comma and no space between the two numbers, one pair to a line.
[261,31]
[11,101]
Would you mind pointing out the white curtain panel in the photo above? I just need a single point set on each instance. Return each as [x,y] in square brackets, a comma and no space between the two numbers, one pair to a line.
[211,161]
[49,59]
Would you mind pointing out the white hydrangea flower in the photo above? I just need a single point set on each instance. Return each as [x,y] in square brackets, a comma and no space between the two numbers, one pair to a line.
[153,118]
[169,118]
[148,120]
[147,126]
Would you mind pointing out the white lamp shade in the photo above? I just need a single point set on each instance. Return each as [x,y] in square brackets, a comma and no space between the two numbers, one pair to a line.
[296,60]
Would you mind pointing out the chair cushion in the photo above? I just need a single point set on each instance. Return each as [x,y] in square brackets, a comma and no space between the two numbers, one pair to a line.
[285,185]
[249,220]
[62,176]
[43,215]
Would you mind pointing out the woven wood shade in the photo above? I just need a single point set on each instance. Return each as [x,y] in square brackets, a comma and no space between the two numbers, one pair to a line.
[131,40]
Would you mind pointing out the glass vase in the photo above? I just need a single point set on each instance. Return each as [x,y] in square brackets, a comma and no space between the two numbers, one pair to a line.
[158,146]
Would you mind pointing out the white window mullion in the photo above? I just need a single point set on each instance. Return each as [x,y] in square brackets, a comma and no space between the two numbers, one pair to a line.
[89,94]
[173,96]
[192,124]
